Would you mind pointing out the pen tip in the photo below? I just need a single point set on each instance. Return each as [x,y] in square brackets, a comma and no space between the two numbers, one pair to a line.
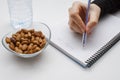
[83,45]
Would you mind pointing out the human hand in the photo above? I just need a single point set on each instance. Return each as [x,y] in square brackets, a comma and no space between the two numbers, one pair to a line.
[77,14]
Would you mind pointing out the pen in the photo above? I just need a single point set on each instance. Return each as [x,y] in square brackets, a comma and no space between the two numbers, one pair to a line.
[84,36]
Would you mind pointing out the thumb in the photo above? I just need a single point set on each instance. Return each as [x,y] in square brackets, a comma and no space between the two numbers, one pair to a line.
[90,25]
[93,17]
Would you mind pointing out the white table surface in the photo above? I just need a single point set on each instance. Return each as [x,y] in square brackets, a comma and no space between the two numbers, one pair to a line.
[52,64]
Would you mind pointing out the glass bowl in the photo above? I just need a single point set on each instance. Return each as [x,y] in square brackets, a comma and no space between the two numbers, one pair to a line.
[37,26]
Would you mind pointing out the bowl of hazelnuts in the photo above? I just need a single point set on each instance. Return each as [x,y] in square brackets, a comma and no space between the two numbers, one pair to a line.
[28,42]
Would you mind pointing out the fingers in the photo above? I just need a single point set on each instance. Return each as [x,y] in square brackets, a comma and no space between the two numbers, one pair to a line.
[93,20]
[74,27]
[90,26]
[74,14]
[79,22]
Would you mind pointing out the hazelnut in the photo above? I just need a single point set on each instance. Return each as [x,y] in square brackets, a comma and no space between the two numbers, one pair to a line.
[13,40]
[24,42]
[11,46]
[24,30]
[32,31]
[37,49]
[29,34]
[24,47]
[35,42]
[7,40]
[34,46]
[22,34]
[20,46]
[18,50]
[17,44]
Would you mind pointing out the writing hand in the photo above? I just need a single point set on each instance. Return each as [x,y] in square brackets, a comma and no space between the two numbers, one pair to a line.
[77,14]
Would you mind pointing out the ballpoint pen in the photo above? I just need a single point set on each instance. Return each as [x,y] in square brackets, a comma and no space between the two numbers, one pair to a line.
[84,36]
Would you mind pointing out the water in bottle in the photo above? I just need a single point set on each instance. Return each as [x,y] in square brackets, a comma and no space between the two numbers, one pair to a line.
[20,13]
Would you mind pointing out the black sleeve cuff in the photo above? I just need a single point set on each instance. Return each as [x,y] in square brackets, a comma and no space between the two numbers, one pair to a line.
[107,6]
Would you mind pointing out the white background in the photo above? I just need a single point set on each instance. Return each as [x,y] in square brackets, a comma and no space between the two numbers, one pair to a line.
[52,65]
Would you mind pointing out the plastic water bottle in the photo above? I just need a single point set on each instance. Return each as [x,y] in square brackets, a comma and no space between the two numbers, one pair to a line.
[20,13]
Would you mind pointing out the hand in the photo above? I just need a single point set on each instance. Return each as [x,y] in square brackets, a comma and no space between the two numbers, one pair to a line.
[77,14]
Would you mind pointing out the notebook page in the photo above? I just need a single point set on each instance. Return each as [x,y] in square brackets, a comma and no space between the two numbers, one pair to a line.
[71,42]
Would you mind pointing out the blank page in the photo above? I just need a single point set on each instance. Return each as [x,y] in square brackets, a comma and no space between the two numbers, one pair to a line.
[71,42]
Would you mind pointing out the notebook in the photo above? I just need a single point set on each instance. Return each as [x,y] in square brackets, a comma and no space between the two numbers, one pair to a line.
[103,37]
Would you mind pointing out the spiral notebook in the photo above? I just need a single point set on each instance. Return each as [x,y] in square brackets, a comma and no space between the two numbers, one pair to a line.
[103,37]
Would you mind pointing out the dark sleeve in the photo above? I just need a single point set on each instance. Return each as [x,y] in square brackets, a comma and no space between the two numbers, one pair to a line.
[107,6]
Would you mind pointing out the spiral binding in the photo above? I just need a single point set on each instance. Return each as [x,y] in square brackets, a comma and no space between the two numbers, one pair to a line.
[102,50]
